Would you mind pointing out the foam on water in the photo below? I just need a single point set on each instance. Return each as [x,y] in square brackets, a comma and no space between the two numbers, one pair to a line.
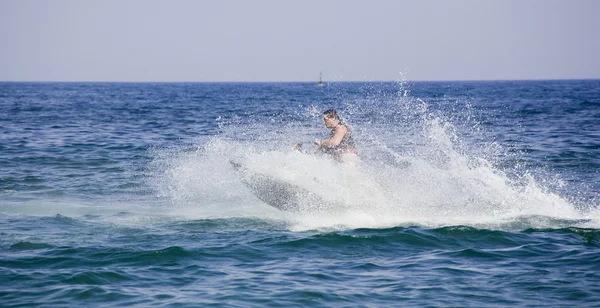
[418,167]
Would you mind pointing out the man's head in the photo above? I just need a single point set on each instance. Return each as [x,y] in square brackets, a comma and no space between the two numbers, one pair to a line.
[331,114]
[331,118]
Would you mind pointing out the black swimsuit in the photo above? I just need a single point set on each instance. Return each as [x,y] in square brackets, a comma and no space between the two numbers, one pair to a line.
[347,142]
[347,145]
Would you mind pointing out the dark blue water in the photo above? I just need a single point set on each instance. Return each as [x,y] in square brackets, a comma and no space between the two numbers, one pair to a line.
[480,194]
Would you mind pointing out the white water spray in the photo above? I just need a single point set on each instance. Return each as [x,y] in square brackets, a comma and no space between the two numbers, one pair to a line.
[415,169]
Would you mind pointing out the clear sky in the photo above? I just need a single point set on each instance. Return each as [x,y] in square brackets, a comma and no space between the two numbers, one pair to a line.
[280,40]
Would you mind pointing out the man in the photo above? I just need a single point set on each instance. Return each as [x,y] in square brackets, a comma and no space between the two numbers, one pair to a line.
[340,143]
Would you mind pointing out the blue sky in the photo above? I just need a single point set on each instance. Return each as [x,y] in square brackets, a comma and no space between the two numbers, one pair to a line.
[146,40]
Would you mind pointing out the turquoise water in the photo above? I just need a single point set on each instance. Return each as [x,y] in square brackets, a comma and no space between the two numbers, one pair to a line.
[469,194]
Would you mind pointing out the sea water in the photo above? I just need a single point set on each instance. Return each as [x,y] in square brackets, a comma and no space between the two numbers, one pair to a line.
[480,194]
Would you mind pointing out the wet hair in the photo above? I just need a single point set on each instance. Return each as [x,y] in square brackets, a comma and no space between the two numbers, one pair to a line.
[331,114]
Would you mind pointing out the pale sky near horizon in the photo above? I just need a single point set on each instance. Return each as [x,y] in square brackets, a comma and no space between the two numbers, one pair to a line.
[270,40]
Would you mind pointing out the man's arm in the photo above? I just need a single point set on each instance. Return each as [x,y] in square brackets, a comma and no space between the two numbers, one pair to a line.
[336,139]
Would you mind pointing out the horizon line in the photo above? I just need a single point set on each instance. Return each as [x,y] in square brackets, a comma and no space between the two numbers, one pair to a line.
[325,82]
